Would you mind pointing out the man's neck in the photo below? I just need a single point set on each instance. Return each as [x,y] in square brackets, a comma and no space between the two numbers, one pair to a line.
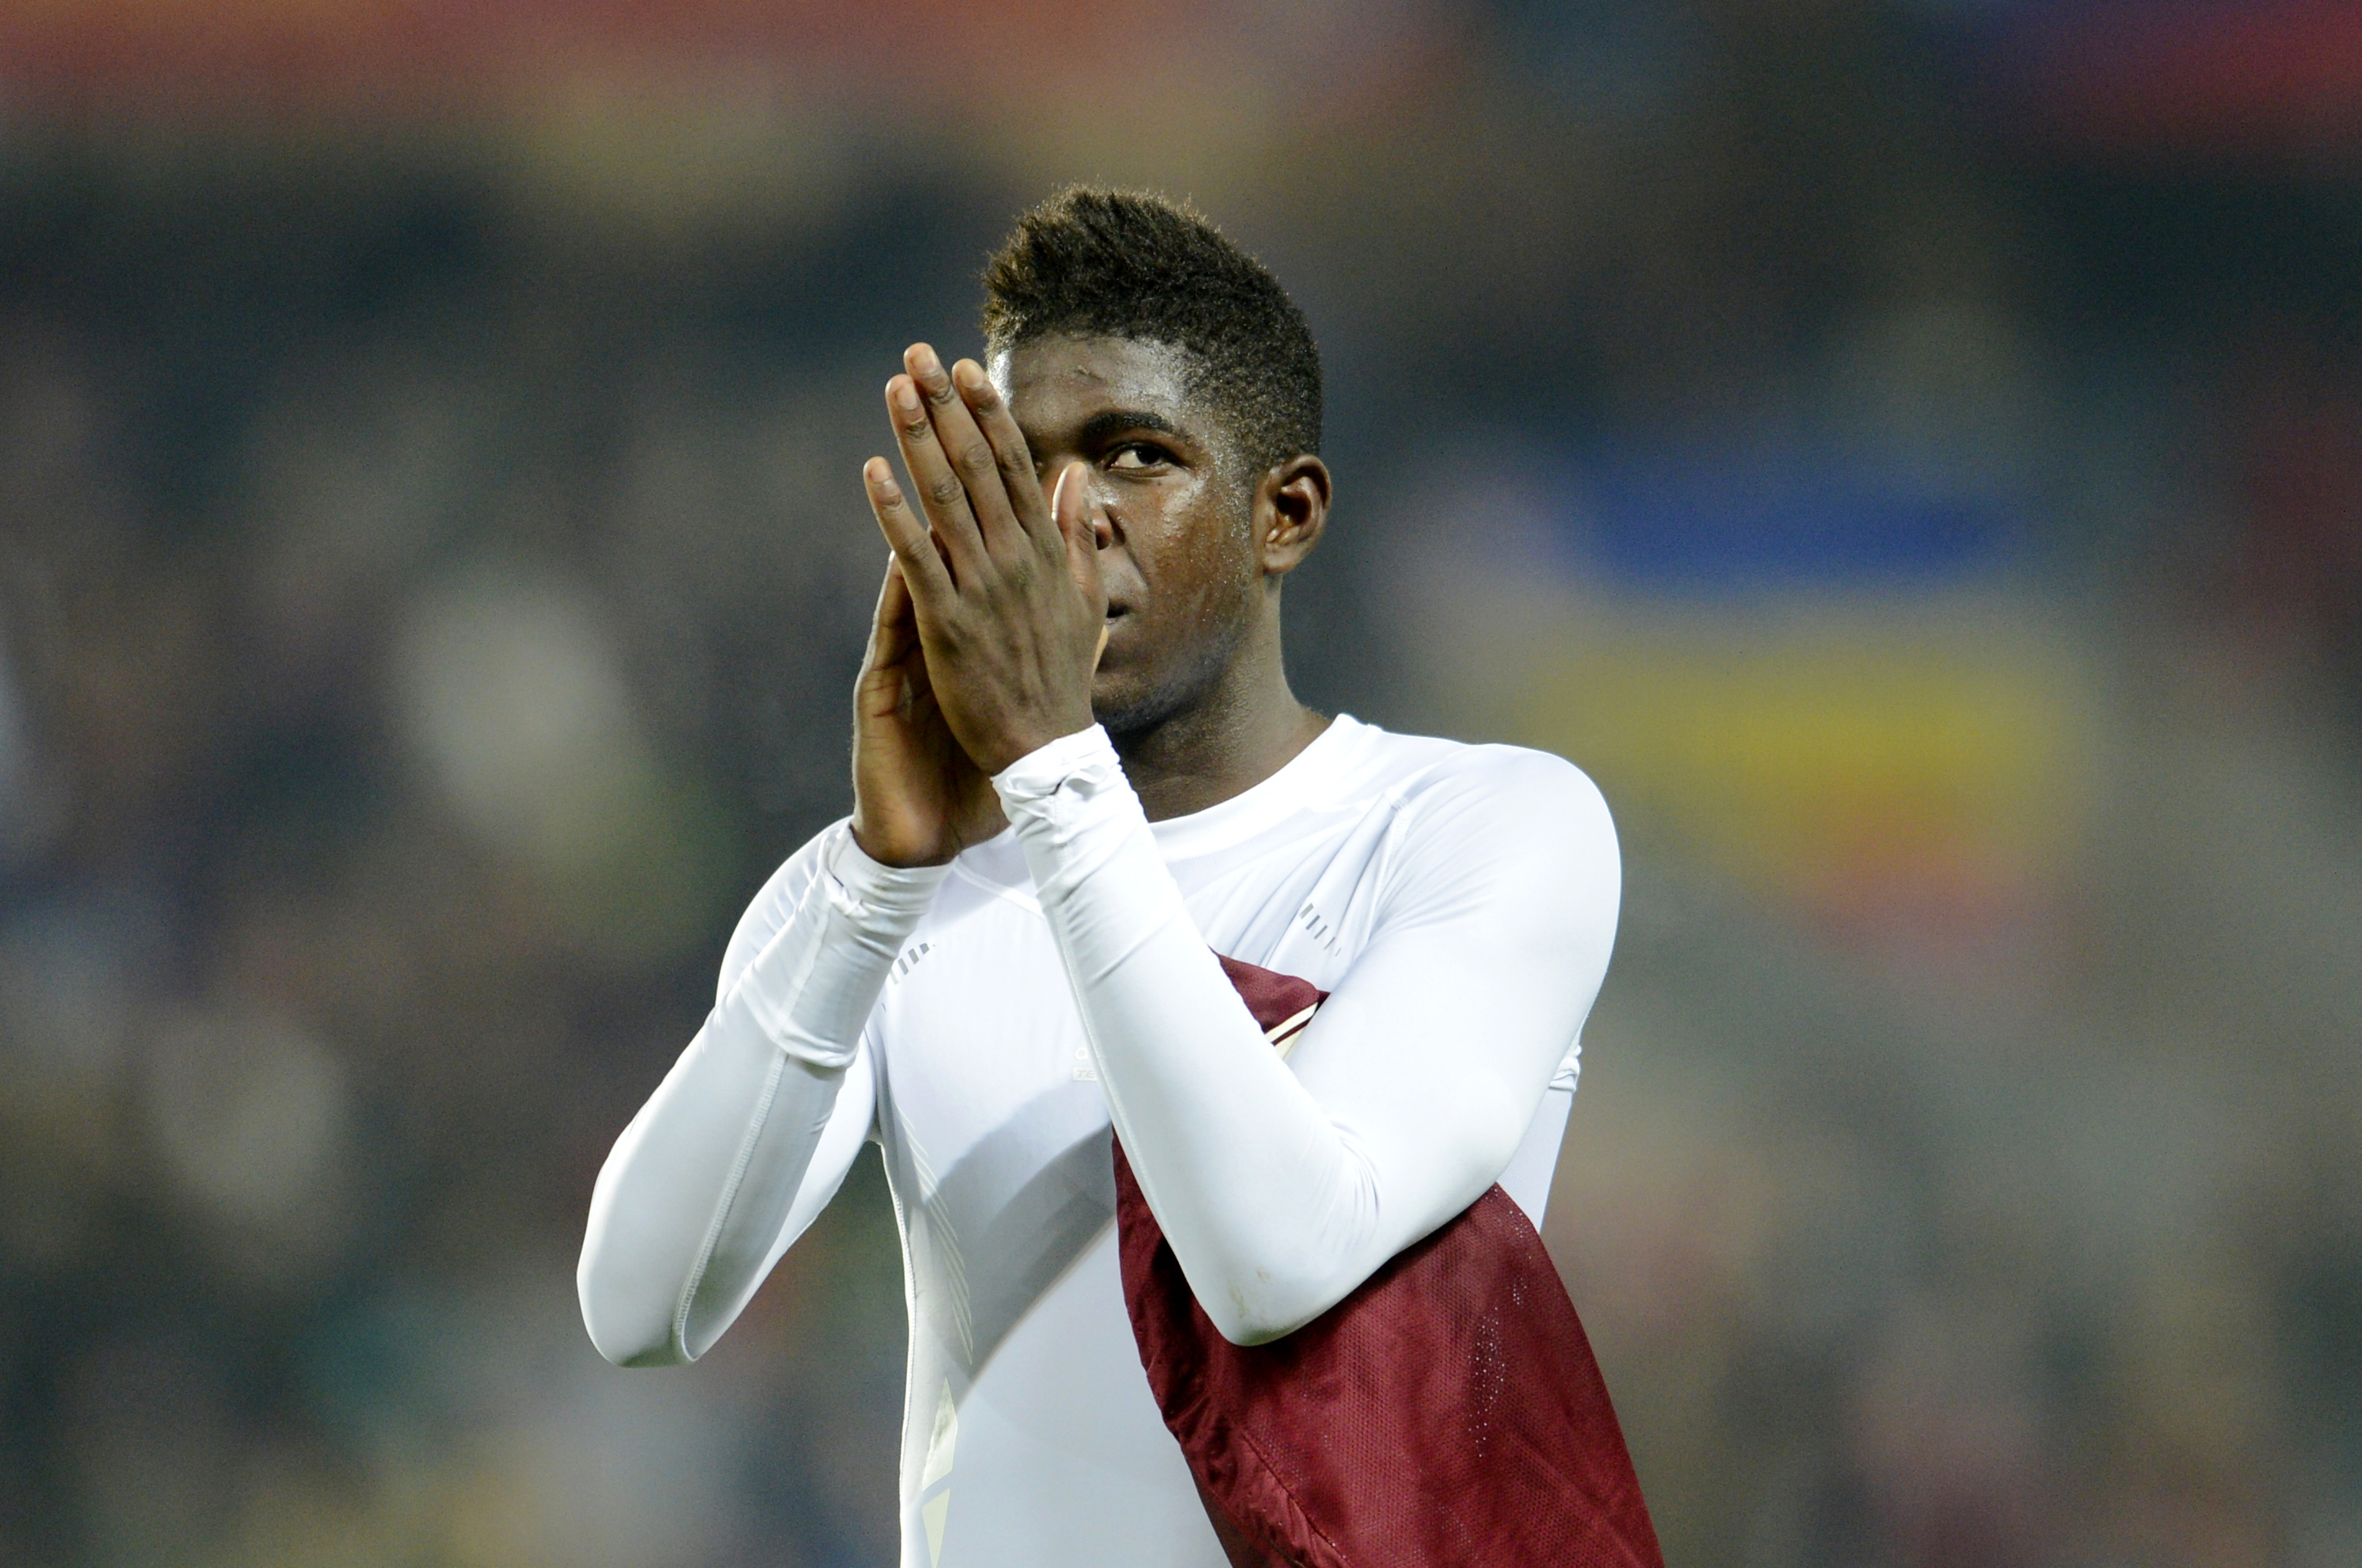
[1247,727]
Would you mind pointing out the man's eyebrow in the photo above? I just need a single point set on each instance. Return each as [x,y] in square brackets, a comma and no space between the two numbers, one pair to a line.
[1108,422]
[1115,421]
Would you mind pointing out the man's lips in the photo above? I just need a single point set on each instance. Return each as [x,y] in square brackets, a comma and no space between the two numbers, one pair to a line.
[1115,616]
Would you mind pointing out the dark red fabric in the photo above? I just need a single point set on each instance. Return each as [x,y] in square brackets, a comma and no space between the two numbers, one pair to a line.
[1448,1412]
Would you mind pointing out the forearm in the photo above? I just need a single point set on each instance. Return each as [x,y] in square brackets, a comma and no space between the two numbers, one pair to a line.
[1272,1209]
[696,1190]
[748,1134]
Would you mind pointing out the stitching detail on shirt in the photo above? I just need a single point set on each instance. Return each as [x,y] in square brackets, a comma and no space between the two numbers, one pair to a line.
[944,1238]
[745,1157]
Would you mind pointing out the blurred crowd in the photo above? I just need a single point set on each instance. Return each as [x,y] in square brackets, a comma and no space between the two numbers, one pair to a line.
[1910,453]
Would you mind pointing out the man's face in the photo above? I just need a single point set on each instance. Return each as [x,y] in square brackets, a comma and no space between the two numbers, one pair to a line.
[1174,513]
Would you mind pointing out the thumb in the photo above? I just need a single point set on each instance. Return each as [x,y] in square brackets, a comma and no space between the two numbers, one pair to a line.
[1072,509]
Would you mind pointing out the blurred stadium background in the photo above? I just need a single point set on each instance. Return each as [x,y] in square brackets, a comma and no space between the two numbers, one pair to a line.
[1910,453]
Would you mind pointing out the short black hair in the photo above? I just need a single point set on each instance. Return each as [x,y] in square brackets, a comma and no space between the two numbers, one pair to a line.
[1093,263]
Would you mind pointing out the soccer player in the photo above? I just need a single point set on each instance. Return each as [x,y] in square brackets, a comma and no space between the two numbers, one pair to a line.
[1079,776]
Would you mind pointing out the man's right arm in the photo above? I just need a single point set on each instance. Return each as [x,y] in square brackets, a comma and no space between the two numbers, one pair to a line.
[754,1127]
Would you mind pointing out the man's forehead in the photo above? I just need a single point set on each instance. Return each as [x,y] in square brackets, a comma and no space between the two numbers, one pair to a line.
[1061,380]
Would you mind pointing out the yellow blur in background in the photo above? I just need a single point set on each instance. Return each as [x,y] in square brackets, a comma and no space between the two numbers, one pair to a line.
[1876,773]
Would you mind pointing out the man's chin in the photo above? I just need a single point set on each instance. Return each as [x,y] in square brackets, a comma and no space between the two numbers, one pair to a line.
[1125,707]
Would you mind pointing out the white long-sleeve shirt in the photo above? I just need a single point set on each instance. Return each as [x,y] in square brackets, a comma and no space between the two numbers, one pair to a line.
[984,1022]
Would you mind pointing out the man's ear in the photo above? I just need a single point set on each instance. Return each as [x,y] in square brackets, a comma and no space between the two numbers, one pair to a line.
[1291,508]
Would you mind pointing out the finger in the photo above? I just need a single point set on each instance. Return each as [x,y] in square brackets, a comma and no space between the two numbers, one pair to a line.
[1008,449]
[924,574]
[1070,508]
[895,630]
[972,458]
[887,667]
[932,479]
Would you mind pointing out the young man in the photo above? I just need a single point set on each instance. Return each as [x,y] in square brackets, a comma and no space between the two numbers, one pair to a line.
[1079,776]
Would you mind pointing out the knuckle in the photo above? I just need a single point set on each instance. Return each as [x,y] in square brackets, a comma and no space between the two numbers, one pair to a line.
[976,458]
[917,430]
[946,490]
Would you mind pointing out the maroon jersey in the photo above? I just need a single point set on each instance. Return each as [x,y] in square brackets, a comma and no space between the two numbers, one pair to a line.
[1448,1412]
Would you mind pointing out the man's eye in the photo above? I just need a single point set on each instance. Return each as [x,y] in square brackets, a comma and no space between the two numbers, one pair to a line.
[1135,455]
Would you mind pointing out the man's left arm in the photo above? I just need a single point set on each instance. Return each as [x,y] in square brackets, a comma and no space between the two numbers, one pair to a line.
[1282,1187]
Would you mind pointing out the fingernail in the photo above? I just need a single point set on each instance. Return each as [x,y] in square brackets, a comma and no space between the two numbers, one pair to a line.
[906,395]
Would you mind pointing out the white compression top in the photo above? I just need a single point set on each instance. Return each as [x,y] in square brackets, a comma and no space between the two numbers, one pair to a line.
[983,1022]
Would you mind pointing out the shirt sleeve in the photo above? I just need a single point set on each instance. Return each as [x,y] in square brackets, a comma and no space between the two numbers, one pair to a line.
[1282,1186]
[752,1131]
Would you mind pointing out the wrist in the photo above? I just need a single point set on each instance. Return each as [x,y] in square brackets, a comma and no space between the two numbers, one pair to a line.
[1028,784]
[894,892]
[880,850]
[1075,816]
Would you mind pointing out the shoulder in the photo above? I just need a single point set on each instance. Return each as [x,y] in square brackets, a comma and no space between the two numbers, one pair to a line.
[1510,794]
[1500,832]
[1512,848]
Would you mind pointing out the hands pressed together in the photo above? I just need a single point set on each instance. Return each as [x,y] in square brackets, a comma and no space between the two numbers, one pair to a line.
[989,624]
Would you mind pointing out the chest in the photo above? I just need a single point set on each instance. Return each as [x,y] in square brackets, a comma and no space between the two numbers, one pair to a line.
[981,1047]
[993,1122]
[977,1024]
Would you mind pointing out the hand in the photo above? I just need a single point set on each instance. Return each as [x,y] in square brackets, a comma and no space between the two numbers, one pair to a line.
[1004,586]
[918,800]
